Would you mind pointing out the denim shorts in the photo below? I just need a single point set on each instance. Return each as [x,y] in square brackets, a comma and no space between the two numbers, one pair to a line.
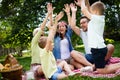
[55,75]
[89,58]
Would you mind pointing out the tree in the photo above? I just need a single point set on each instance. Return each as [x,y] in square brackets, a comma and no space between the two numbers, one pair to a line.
[113,20]
[22,16]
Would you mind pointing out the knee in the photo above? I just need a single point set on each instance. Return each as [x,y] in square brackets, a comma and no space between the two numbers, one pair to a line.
[110,47]
[72,53]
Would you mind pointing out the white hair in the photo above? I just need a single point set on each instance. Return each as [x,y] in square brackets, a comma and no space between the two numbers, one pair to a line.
[35,31]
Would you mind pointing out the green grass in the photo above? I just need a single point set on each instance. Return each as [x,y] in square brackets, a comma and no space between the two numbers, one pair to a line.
[25,60]
[115,54]
[117,49]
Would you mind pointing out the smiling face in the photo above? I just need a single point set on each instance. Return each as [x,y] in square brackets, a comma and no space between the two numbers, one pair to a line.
[62,27]
[84,24]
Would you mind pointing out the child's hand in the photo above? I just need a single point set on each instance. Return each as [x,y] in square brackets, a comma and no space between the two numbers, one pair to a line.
[73,7]
[67,8]
[50,8]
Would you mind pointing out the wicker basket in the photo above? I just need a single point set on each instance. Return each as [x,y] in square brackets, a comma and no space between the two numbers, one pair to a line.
[13,71]
[12,74]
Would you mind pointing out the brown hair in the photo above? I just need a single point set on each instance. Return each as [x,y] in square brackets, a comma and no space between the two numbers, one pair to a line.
[85,18]
[99,6]
[42,41]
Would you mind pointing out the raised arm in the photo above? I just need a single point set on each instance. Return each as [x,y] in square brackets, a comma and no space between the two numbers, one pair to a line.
[49,14]
[87,5]
[49,9]
[67,11]
[84,8]
[73,19]
[42,26]
[38,31]
[52,31]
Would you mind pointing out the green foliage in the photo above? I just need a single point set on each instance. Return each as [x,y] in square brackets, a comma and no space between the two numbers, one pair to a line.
[112,14]
[78,77]
[20,17]
[25,63]
[109,41]
[5,29]
[25,60]
[117,49]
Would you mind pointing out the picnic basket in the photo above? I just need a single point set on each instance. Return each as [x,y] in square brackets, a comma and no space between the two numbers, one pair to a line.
[12,69]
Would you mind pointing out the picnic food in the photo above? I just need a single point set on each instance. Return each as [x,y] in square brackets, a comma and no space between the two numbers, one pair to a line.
[9,63]
[11,68]
[1,66]
[7,67]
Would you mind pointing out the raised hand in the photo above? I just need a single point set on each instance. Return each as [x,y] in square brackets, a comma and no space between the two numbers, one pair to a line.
[50,8]
[67,8]
[73,7]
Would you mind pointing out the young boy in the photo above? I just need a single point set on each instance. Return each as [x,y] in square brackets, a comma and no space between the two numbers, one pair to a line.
[35,49]
[95,35]
[95,31]
[46,58]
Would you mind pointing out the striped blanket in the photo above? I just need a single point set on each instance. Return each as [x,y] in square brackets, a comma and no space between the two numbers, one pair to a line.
[97,75]
[93,74]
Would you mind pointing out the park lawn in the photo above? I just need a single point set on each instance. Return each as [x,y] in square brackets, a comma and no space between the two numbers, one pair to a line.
[26,59]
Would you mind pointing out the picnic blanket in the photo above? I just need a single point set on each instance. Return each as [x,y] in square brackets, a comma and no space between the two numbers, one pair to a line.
[94,74]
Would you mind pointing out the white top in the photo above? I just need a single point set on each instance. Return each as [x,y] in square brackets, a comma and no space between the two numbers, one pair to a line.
[64,48]
[84,38]
[95,32]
